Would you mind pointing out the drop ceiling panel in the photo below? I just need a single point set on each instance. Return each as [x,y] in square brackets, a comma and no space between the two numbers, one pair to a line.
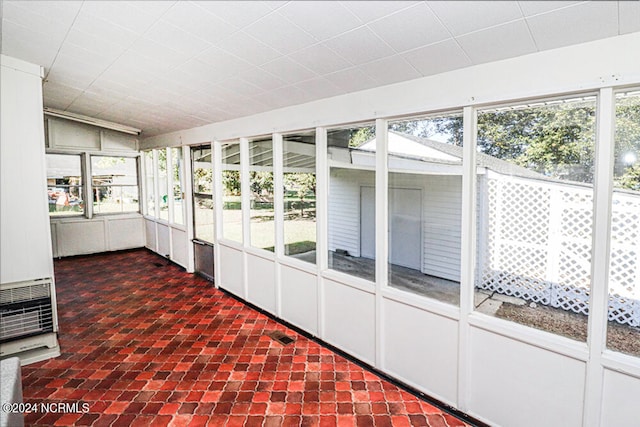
[575,24]
[462,17]
[198,22]
[280,33]
[288,70]
[239,14]
[320,59]
[351,80]
[321,20]
[500,42]
[629,17]
[175,38]
[390,70]
[437,58]
[369,11]
[410,28]
[360,45]
[247,47]
[530,8]
[122,14]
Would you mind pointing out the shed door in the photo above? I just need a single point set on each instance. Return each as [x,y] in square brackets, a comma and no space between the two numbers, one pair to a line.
[405,231]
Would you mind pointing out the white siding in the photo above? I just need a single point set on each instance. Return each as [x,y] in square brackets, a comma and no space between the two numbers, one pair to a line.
[442,218]
[441,213]
[344,208]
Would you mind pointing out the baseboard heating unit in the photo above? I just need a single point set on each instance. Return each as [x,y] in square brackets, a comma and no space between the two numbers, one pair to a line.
[28,320]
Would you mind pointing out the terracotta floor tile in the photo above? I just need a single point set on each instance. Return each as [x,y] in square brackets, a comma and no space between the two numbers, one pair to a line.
[147,344]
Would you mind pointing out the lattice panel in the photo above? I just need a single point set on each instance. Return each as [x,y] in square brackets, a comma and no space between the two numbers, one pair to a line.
[520,221]
[538,246]
[574,265]
[624,310]
[570,298]
[623,273]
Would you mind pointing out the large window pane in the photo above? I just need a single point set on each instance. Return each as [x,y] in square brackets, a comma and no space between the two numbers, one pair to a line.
[64,184]
[178,185]
[300,196]
[535,190]
[163,185]
[231,193]
[115,184]
[425,206]
[351,220]
[150,208]
[202,193]
[623,333]
[261,187]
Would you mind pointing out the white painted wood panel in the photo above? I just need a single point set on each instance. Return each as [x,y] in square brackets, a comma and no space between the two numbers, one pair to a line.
[179,242]
[620,394]
[349,320]
[512,383]
[125,233]
[66,134]
[25,248]
[231,270]
[421,349]
[81,237]
[150,234]
[299,298]
[261,283]
[117,141]
[164,240]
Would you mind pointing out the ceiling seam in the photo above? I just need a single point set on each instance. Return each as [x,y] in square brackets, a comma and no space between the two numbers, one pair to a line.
[455,40]
[526,23]
[55,58]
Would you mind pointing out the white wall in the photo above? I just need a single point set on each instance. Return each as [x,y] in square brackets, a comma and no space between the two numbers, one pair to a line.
[501,372]
[25,251]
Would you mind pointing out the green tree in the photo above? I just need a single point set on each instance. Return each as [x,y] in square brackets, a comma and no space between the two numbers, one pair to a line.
[302,183]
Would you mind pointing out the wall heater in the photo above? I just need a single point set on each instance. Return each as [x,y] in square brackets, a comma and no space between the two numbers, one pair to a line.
[27,316]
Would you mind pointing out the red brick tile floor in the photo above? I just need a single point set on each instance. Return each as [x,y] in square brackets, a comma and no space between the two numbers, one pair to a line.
[146,344]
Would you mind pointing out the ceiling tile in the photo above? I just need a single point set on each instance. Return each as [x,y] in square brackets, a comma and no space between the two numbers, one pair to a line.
[321,19]
[265,81]
[241,87]
[535,7]
[59,95]
[93,43]
[175,38]
[237,13]
[225,64]
[368,11]
[629,12]
[462,17]
[31,18]
[319,88]
[288,70]
[575,24]
[280,33]
[389,70]
[320,59]
[351,80]
[437,58]
[410,28]
[193,19]
[248,48]
[122,14]
[158,53]
[90,24]
[20,42]
[495,43]
[61,12]
[359,46]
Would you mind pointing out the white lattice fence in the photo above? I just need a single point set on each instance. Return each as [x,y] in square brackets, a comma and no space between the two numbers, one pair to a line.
[538,246]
